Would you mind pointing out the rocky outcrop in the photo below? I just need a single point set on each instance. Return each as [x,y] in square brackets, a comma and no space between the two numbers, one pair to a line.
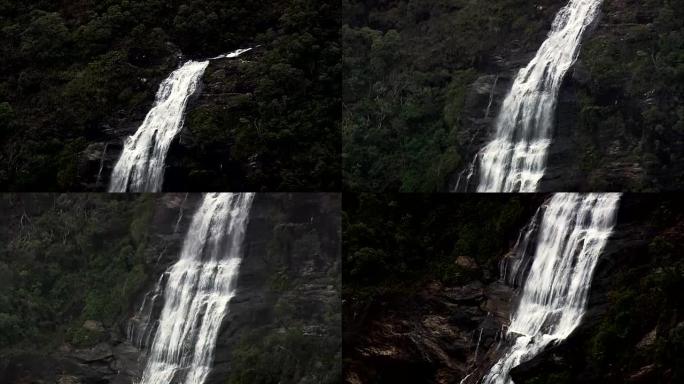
[291,261]
[438,335]
[441,334]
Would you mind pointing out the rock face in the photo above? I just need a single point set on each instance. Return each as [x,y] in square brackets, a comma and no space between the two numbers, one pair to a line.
[486,94]
[441,334]
[438,335]
[226,89]
[568,168]
[292,260]
[611,133]
[289,281]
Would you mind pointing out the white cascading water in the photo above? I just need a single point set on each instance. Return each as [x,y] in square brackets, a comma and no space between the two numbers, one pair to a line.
[573,231]
[515,159]
[141,165]
[196,291]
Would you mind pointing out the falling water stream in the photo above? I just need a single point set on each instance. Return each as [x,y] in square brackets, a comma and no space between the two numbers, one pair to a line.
[196,292]
[572,233]
[141,165]
[515,159]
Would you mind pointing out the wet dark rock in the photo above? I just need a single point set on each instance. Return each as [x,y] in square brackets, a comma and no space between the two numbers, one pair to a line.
[468,294]
[545,363]
[127,362]
[646,374]
[434,333]
[580,74]
[38,368]
[498,302]
[97,164]
[100,352]
[467,318]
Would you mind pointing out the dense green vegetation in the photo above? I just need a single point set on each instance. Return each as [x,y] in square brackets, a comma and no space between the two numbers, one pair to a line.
[631,103]
[65,259]
[394,243]
[283,132]
[408,65]
[654,303]
[74,267]
[79,72]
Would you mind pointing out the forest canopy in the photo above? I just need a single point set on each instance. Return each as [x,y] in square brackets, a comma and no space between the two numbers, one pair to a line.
[412,121]
[70,259]
[73,73]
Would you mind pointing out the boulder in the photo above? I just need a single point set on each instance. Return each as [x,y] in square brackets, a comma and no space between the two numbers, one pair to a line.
[66,379]
[498,301]
[470,293]
[645,374]
[466,262]
[648,341]
[102,351]
[93,325]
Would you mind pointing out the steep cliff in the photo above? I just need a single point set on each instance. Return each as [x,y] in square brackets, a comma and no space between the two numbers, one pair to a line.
[432,329]
[632,332]
[617,126]
[422,303]
[620,118]
[284,323]
[424,81]
[79,77]
[282,326]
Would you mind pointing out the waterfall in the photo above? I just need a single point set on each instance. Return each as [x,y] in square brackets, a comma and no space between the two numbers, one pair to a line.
[141,165]
[573,231]
[196,291]
[515,159]
[102,161]
[477,347]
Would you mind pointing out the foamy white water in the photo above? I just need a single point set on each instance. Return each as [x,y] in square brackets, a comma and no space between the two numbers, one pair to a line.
[196,291]
[572,234]
[515,159]
[141,165]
